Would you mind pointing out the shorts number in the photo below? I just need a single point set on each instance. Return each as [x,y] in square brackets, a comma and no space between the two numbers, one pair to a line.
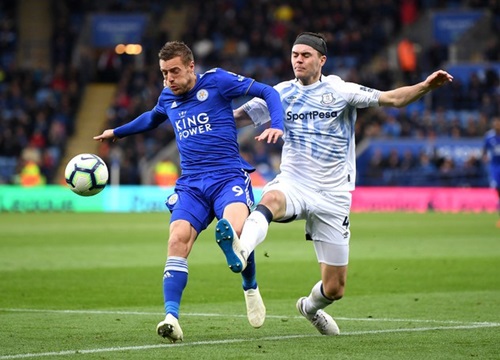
[238,190]
[346,222]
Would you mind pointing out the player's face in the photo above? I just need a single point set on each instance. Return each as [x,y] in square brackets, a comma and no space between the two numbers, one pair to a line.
[180,78]
[307,63]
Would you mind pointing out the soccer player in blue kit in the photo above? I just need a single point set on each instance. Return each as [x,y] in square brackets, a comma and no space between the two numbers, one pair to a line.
[491,152]
[214,182]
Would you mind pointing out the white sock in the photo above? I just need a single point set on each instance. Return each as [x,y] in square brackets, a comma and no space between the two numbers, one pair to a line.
[254,231]
[316,300]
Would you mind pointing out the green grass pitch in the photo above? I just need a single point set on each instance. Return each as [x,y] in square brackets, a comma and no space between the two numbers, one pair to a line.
[88,286]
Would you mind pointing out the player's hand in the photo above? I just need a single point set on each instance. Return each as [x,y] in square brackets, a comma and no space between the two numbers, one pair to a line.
[437,79]
[272,135]
[106,134]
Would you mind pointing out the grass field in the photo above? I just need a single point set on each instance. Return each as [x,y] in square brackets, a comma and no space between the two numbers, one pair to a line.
[88,286]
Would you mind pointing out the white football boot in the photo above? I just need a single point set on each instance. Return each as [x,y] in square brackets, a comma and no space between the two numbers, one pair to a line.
[321,320]
[230,245]
[256,310]
[170,328]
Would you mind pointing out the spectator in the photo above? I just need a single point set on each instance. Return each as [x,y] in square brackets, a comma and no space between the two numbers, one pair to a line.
[447,172]
[109,66]
[407,58]
[408,162]
[375,167]
[391,127]
[425,170]
[166,173]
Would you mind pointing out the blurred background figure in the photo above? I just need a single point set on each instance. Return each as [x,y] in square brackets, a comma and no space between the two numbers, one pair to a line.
[166,173]
[492,156]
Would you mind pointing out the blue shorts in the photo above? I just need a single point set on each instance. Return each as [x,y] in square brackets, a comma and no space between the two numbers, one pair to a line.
[200,198]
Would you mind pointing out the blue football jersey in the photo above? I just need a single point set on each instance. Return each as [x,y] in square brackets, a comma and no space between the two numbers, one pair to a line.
[203,121]
[492,146]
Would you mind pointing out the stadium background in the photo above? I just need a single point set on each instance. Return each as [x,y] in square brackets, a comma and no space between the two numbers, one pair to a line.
[61,82]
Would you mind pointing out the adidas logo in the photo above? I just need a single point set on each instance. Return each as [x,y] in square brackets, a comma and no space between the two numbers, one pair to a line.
[174,105]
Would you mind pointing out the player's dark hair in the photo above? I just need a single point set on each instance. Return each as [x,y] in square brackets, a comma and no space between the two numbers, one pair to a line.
[315,40]
[173,49]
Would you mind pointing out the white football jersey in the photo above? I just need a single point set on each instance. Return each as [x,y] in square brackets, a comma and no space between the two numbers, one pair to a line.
[319,148]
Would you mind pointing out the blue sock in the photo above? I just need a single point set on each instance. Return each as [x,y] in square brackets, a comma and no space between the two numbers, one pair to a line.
[175,278]
[248,275]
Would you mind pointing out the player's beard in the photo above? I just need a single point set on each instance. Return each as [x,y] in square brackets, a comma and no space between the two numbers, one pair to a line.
[182,88]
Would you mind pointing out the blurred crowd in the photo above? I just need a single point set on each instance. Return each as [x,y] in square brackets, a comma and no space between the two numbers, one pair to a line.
[257,43]
[253,38]
[424,169]
[37,106]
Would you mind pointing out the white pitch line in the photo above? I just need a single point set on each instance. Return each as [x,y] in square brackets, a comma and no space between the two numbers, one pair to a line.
[233,341]
[146,313]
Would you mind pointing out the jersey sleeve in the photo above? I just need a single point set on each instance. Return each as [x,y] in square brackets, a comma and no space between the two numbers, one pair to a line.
[231,85]
[163,99]
[257,110]
[273,102]
[356,95]
[144,122]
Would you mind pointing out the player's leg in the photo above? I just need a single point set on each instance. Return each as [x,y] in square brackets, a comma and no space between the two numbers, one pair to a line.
[329,289]
[233,201]
[175,276]
[328,226]
[256,310]
[227,231]
[272,206]
[190,215]
[227,238]
[277,203]
[281,201]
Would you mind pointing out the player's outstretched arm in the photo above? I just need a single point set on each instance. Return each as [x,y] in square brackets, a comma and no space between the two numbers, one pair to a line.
[106,134]
[407,94]
[144,122]
[438,79]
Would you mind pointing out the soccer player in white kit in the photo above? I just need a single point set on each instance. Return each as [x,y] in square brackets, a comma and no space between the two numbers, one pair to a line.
[318,169]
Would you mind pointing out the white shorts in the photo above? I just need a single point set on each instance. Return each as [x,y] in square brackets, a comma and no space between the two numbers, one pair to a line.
[326,214]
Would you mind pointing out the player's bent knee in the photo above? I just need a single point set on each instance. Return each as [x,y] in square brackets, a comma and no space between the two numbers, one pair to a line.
[178,247]
[333,291]
[274,200]
[334,295]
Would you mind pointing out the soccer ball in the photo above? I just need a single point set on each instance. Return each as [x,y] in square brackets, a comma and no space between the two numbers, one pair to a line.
[86,174]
